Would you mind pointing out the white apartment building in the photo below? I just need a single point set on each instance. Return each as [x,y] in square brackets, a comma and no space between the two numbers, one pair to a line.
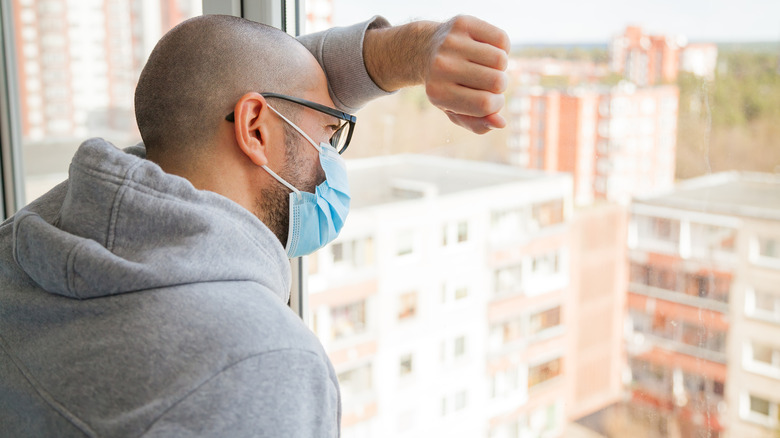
[705,305]
[441,302]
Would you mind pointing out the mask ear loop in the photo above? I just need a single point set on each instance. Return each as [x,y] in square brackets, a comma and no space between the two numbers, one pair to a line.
[300,131]
[286,184]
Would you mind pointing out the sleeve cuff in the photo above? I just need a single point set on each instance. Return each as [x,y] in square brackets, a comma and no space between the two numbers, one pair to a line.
[340,53]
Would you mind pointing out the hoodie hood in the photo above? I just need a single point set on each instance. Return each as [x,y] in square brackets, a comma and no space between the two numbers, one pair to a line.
[124,225]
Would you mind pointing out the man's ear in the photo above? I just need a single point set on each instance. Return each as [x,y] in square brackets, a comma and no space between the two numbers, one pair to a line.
[252,118]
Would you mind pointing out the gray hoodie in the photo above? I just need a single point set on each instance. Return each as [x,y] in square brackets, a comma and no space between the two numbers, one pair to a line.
[132,304]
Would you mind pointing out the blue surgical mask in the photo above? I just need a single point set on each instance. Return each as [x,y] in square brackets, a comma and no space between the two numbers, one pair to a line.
[316,218]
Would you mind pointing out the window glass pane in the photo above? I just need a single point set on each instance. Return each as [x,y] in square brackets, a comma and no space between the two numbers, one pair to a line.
[78,63]
[759,405]
[632,262]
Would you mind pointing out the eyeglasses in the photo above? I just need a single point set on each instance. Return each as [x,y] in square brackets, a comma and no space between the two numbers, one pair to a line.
[343,134]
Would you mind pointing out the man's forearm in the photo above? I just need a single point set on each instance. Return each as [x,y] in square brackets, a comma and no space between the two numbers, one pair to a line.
[398,57]
[461,62]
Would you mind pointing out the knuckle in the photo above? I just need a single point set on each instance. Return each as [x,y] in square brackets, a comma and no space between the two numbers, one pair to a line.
[499,83]
[484,105]
[502,61]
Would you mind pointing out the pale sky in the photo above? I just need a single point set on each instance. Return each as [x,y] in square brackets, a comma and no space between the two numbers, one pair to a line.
[592,21]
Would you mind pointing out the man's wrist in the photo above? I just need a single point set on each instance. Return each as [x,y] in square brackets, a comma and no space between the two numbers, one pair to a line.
[398,56]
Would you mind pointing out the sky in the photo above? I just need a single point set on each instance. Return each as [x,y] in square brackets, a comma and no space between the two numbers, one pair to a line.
[587,21]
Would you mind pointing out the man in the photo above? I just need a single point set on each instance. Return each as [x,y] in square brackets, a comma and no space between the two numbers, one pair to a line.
[145,296]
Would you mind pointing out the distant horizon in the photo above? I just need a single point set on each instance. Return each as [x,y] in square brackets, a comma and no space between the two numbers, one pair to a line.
[600,44]
[597,21]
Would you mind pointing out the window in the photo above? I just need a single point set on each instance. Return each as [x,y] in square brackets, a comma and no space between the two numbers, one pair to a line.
[544,372]
[511,223]
[405,365]
[762,358]
[348,320]
[356,381]
[545,320]
[759,406]
[63,101]
[708,239]
[769,247]
[405,243]
[506,383]
[463,231]
[548,213]
[407,305]
[355,253]
[509,279]
[512,331]
[453,233]
[546,264]
[763,304]
[459,347]
[461,398]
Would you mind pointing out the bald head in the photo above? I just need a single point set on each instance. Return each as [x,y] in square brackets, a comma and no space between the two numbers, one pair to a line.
[199,70]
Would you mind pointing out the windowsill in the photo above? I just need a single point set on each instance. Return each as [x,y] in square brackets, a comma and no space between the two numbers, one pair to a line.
[766,262]
[761,369]
[759,420]
[682,348]
[546,385]
[768,318]
[678,297]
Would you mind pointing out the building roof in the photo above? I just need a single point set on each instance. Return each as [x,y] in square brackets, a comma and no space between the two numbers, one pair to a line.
[396,178]
[744,194]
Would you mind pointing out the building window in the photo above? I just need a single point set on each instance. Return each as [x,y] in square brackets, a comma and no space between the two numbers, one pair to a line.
[461,399]
[505,383]
[548,213]
[708,285]
[405,365]
[762,304]
[765,252]
[455,233]
[509,279]
[707,239]
[348,320]
[769,248]
[512,331]
[509,223]
[759,406]
[762,358]
[544,372]
[545,320]
[407,305]
[355,381]
[405,243]
[546,264]
[355,253]
[463,231]
[460,347]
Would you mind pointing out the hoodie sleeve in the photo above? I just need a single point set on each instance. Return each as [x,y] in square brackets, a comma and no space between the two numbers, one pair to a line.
[281,393]
[340,53]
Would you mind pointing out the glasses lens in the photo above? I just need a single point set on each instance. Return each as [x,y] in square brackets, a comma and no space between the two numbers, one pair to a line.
[339,138]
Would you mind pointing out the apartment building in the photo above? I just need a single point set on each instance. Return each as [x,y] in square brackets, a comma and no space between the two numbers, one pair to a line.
[617,142]
[443,302]
[645,59]
[703,298]
[78,62]
[655,59]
